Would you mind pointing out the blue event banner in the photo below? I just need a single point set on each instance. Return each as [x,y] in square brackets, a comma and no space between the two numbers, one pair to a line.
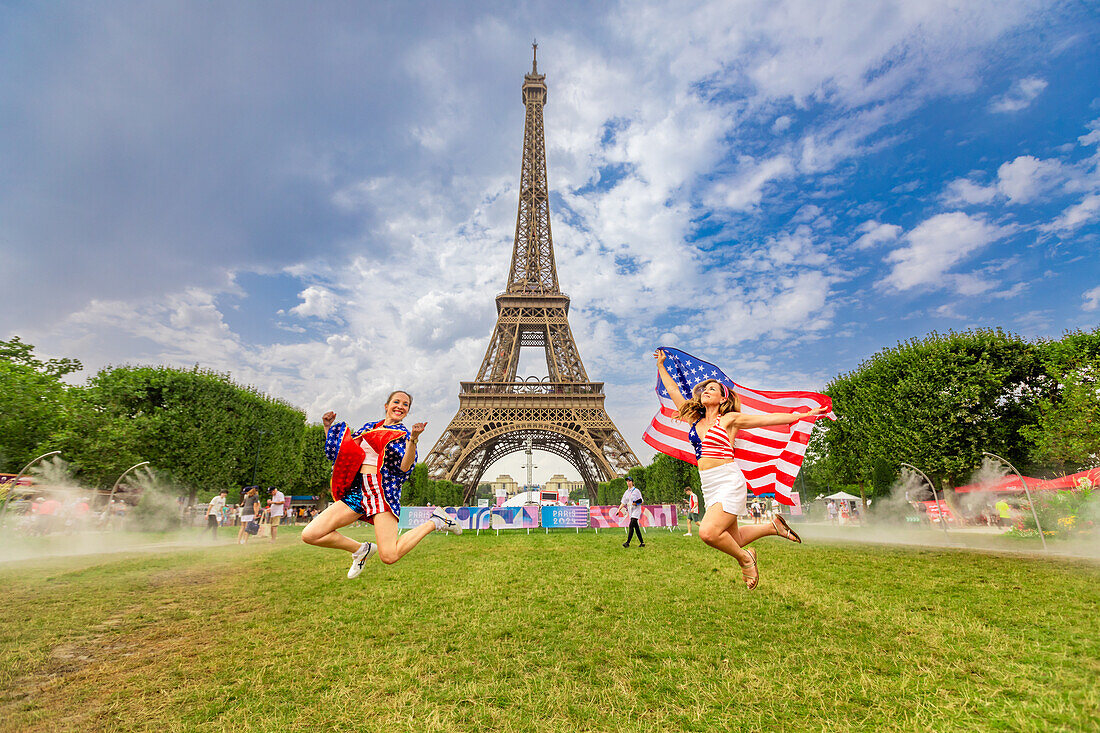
[413,516]
[468,517]
[564,516]
[515,517]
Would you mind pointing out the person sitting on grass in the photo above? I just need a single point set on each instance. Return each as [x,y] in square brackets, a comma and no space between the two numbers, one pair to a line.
[369,467]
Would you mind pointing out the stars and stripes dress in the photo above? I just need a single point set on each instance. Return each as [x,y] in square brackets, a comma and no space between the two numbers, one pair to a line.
[366,493]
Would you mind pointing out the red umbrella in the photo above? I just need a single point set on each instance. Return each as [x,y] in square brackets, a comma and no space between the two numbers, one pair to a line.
[1008,483]
[1073,480]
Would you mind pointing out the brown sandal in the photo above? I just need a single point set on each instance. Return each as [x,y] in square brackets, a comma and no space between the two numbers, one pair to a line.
[784,530]
[751,580]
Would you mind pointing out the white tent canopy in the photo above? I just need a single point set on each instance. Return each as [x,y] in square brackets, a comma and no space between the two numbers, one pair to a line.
[842,496]
[522,498]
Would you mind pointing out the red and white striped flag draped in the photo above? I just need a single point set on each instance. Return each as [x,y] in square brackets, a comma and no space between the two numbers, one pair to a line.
[770,457]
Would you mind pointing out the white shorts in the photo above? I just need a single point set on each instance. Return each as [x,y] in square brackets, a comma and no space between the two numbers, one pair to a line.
[725,485]
[246,518]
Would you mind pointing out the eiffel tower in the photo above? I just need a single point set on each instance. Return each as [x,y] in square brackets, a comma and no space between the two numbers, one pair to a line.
[562,413]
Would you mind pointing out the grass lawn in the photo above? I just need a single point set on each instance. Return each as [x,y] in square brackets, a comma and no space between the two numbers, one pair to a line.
[547,633]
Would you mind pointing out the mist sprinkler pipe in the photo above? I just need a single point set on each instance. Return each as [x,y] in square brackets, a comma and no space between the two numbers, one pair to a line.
[115,487]
[15,484]
[943,520]
[1027,491]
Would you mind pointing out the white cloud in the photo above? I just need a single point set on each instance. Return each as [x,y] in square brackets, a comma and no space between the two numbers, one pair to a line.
[1020,181]
[1091,298]
[317,302]
[1020,96]
[1027,178]
[935,246]
[781,123]
[1093,136]
[746,189]
[965,191]
[872,234]
[1077,215]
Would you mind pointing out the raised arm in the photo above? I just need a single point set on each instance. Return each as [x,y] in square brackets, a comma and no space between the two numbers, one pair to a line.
[740,420]
[408,460]
[667,380]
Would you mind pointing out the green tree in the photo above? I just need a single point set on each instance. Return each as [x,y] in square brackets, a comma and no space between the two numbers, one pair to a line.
[313,480]
[414,492]
[935,402]
[616,487]
[665,480]
[203,430]
[1067,432]
[603,493]
[33,402]
[883,474]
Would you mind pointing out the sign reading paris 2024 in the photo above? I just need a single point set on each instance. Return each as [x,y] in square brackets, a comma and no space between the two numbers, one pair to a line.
[554,517]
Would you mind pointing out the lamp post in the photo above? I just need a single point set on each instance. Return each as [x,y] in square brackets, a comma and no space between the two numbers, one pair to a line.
[943,521]
[256,463]
[15,483]
[1026,491]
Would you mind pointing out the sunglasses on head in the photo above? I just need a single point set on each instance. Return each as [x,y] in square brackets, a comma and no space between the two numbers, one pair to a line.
[725,390]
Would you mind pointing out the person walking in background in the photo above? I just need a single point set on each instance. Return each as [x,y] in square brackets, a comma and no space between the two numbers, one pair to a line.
[831,509]
[632,502]
[250,506]
[214,512]
[278,509]
[693,509]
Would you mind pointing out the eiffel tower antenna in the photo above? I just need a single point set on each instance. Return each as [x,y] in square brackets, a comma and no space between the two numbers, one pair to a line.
[500,411]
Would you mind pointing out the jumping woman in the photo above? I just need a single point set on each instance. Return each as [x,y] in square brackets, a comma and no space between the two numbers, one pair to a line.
[369,467]
[715,414]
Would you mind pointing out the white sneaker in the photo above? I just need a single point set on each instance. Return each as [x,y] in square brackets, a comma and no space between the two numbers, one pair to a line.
[444,523]
[358,560]
[687,534]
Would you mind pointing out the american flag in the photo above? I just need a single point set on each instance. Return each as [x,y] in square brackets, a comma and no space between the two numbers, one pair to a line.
[770,457]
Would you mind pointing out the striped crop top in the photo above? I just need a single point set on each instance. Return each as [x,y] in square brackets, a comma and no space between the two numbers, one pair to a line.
[716,443]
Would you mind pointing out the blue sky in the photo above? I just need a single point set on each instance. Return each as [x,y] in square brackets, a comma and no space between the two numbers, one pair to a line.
[321,199]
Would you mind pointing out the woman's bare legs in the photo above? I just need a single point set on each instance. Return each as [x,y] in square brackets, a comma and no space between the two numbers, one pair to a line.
[392,547]
[744,535]
[719,530]
[322,530]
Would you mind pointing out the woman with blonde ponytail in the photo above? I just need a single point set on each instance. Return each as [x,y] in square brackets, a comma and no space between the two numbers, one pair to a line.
[714,413]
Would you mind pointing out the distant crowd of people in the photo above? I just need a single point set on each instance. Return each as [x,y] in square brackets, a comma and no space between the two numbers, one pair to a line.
[251,512]
[63,513]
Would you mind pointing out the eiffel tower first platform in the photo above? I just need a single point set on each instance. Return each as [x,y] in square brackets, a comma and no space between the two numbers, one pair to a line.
[563,413]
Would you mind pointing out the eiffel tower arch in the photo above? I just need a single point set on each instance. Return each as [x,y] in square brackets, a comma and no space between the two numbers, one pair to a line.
[564,413]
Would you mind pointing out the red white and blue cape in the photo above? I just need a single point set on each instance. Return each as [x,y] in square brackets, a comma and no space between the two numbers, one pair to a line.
[345,449]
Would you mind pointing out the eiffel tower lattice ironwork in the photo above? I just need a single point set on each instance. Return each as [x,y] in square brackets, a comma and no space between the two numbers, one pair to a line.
[563,413]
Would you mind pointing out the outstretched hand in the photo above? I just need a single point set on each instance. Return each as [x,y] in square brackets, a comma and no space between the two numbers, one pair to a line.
[659,355]
[328,419]
[417,429]
[816,412]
